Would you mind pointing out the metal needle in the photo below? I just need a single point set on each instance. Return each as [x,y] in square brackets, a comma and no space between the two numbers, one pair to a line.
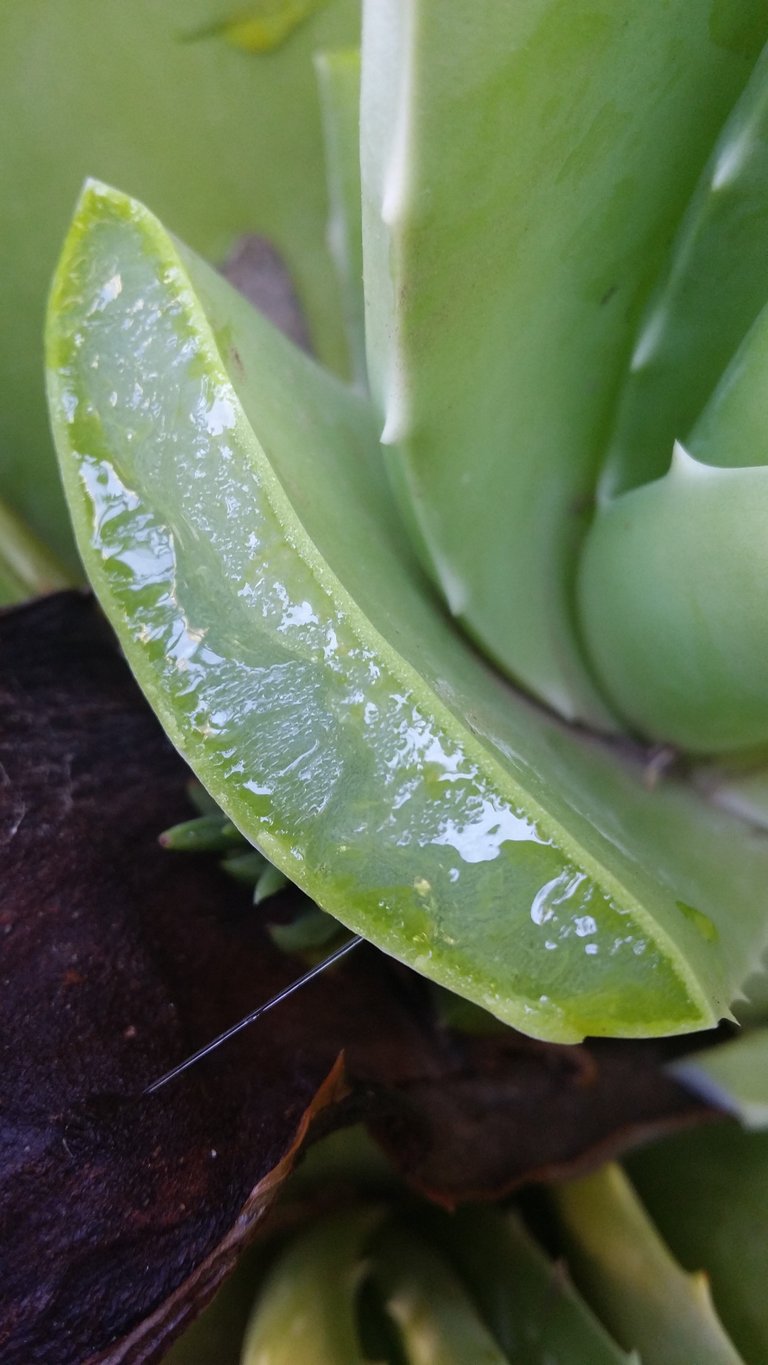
[253,1016]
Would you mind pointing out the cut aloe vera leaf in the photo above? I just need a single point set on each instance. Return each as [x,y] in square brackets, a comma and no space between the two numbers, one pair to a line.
[529,1302]
[234,519]
[338,78]
[436,1317]
[645,1299]
[713,289]
[707,1191]
[305,1313]
[733,1076]
[222,142]
[520,189]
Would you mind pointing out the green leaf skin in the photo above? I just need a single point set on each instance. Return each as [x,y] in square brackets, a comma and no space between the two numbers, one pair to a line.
[733,1076]
[230,507]
[338,80]
[671,591]
[305,1313]
[707,1191]
[221,141]
[520,189]
[436,1317]
[671,583]
[529,1302]
[672,577]
[714,287]
[632,1281]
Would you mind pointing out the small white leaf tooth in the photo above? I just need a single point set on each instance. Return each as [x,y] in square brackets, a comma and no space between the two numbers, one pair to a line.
[684,466]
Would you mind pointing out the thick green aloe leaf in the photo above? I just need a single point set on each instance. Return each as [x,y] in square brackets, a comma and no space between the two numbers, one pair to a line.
[646,1300]
[305,1312]
[531,1306]
[714,286]
[733,1076]
[707,1191]
[230,507]
[524,168]
[436,1317]
[671,586]
[338,78]
[223,142]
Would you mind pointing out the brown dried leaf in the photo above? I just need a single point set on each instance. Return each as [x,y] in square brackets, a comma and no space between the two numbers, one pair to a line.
[121,1214]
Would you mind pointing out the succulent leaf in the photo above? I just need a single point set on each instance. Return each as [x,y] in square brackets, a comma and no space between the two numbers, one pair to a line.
[520,189]
[295,657]
[631,1279]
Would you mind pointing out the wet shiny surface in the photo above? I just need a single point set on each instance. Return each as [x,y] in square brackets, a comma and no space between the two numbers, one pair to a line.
[269,610]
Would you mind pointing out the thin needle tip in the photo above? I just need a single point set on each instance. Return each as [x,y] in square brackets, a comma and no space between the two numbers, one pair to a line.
[251,1018]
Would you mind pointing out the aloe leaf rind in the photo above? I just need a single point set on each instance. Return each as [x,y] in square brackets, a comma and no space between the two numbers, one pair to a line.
[631,1279]
[229,506]
[520,188]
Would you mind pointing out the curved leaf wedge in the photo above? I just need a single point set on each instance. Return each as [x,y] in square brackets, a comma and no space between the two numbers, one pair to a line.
[233,518]
[520,190]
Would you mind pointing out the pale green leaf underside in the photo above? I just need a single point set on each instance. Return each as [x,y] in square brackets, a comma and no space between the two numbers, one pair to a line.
[524,168]
[232,516]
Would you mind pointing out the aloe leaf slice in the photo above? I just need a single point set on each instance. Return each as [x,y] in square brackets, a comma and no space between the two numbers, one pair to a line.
[338,79]
[520,188]
[645,1299]
[231,512]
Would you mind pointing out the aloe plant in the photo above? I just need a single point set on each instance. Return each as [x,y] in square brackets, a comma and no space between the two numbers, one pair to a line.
[420,632]
[232,511]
